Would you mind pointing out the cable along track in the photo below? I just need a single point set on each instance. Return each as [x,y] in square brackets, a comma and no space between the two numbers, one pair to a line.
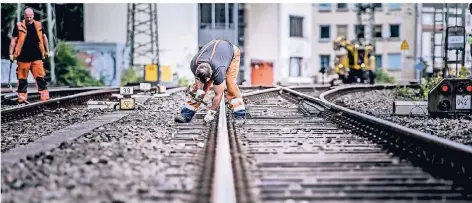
[294,148]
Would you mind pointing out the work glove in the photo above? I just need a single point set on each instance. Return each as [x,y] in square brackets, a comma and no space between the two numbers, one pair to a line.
[46,55]
[199,94]
[210,116]
[12,58]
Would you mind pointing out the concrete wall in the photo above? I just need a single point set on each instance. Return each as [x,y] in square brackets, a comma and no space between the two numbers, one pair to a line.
[261,35]
[105,22]
[178,36]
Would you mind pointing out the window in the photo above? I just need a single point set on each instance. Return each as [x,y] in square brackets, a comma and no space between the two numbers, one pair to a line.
[394,6]
[342,6]
[324,7]
[296,26]
[342,30]
[230,13]
[295,67]
[427,19]
[394,31]
[359,31]
[378,61]
[378,31]
[324,61]
[376,5]
[324,32]
[205,15]
[394,61]
[220,16]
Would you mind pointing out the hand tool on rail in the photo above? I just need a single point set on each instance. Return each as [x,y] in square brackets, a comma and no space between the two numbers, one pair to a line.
[198,99]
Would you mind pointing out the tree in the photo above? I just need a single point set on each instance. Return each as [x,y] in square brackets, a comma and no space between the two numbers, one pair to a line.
[8,21]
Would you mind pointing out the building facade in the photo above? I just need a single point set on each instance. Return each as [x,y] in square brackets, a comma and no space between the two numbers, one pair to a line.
[393,24]
[293,40]
[282,35]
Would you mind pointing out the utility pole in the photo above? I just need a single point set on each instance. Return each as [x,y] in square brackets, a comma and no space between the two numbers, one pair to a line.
[52,50]
[369,30]
[142,35]
[18,12]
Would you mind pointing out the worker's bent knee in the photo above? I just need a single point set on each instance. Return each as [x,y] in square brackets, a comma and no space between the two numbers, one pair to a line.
[238,108]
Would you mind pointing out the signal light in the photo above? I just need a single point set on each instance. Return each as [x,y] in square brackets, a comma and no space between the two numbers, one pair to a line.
[444,88]
[469,88]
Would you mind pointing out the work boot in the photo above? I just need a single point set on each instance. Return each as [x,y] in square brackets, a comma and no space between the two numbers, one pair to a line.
[181,119]
[22,97]
[44,95]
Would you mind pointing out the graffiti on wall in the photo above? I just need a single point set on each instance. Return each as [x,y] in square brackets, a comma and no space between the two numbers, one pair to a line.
[101,65]
[105,61]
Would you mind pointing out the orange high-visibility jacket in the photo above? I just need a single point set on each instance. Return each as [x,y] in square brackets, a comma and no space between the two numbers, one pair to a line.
[22,36]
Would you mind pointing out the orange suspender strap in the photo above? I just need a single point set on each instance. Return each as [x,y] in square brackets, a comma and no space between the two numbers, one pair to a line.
[213,51]
[203,49]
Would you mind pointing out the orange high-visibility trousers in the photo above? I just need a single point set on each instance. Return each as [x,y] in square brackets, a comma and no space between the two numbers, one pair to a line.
[37,69]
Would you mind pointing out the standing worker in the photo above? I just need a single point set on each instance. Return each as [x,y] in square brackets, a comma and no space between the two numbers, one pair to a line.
[216,62]
[29,46]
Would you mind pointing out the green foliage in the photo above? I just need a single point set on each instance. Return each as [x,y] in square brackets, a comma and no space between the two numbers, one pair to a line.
[403,92]
[383,77]
[130,76]
[8,21]
[428,84]
[464,72]
[183,82]
[69,69]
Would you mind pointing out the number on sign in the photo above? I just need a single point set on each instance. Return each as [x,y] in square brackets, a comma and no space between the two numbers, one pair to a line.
[145,86]
[126,90]
[463,102]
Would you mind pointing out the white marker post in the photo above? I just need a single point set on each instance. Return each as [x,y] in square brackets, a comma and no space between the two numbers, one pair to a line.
[127,102]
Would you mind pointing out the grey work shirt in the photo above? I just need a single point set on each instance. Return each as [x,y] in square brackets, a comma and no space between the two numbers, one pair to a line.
[219,62]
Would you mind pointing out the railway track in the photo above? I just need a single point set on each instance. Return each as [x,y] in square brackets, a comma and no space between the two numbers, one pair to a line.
[294,147]
[60,98]
[9,99]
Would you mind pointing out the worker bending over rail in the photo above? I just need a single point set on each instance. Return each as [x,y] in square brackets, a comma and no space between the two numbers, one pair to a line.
[216,62]
[29,46]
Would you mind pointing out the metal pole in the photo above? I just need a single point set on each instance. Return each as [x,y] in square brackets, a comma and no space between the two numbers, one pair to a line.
[236,23]
[18,12]
[51,23]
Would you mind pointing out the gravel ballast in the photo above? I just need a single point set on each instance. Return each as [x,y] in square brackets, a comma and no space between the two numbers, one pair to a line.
[379,103]
[140,158]
[27,130]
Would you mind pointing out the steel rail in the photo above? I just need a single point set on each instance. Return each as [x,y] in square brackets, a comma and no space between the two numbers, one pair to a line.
[223,189]
[462,149]
[53,92]
[439,154]
[442,156]
[37,107]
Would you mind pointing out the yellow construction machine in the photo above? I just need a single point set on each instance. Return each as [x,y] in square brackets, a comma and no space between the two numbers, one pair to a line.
[354,62]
